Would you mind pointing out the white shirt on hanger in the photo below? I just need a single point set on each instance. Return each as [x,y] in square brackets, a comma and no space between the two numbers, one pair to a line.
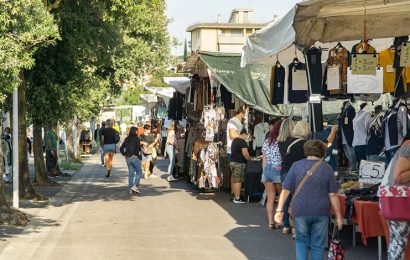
[259,133]
[360,127]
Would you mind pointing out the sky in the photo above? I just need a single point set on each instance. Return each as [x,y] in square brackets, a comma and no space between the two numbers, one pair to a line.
[188,12]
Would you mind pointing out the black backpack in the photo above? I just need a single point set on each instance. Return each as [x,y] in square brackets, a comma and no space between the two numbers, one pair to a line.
[117,137]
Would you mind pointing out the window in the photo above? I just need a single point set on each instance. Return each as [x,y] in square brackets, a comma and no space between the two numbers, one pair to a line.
[237,33]
[246,17]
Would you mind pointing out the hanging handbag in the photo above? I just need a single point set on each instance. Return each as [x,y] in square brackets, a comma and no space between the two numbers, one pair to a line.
[395,198]
[336,250]
[308,174]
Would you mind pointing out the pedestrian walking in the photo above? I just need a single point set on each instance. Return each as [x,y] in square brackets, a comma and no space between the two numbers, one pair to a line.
[398,174]
[155,150]
[109,139]
[271,164]
[131,150]
[239,157]
[147,142]
[51,153]
[97,136]
[314,189]
[291,151]
[101,144]
[170,150]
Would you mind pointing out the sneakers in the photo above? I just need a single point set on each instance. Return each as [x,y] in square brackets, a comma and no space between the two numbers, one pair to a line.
[103,165]
[286,230]
[171,178]
[238,201]
[153,176]
[135,189]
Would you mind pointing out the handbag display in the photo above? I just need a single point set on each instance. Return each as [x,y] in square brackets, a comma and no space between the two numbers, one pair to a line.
[309,174]
[394,197]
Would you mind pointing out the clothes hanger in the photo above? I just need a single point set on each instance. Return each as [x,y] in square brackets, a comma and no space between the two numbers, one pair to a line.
[277,61]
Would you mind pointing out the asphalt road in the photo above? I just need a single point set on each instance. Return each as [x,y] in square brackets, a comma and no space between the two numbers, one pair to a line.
[93,217]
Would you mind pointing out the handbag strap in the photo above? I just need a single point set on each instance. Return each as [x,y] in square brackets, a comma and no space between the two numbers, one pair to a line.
[290,146]
[308,174]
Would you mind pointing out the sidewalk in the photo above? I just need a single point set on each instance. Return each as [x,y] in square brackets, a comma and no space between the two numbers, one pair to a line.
[93,217]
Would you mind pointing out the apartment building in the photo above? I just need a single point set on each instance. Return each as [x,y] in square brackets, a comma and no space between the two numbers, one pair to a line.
[224,37]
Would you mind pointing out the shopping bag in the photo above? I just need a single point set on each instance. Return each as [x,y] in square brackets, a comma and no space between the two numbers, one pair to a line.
[394,198]
[336,250]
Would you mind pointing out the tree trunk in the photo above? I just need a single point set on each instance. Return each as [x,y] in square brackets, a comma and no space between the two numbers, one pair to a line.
[39,165]
[25,188]
[9,215]
[69,141]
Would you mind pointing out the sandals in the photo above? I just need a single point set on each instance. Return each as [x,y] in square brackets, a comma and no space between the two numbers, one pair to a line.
[274,226]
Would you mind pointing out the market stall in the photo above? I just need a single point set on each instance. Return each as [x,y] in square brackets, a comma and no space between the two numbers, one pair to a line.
[362,72]
[218,88]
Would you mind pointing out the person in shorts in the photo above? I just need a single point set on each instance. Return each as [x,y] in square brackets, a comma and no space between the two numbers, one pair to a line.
[240,155]
[271,162]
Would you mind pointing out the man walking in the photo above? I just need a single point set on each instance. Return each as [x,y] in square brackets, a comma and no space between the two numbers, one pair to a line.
[51,153]
[97,136]
[99,141]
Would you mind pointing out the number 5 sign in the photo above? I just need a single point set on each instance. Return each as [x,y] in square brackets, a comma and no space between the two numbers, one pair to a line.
[371,172]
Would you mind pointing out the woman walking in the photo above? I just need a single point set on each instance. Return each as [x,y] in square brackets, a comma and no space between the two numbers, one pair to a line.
[399,174]
[108,141]
[291,150]
[170,150]
[131,150]
[155,149]
[311,205]
[147,141]
[271,162]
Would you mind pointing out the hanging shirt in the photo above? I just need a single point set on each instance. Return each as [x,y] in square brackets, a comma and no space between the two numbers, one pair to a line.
[259,133]
[297,82]
[395,121]
[360,127]
[278,83]
[339,57]
[386,60]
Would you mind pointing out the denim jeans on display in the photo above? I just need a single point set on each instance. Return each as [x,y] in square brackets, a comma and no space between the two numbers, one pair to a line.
[350,155]
[311,234]
[373,157]
[134,171]
[360,152]
[389,155]
[170,150]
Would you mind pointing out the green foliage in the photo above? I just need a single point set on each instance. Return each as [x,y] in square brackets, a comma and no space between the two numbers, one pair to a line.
[130,96]
[105,45]
[25,25]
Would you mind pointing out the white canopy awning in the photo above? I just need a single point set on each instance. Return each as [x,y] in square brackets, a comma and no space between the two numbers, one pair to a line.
[148,100]
[180,84]
[165,93]
[328,21]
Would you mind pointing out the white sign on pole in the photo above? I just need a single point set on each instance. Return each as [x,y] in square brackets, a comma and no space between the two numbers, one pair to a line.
[15,150]
[371,172]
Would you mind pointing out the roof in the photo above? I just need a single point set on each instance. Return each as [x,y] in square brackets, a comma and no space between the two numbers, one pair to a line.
[225,26]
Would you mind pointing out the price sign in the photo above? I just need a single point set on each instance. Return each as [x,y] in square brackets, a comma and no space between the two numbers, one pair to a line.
[371,172]
[364,64]
[405,55]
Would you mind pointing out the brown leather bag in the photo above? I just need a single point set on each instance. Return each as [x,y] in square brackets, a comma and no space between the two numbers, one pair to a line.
[309,174]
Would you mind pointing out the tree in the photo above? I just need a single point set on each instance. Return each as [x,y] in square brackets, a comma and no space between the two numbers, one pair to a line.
[185,51]
[25,26]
